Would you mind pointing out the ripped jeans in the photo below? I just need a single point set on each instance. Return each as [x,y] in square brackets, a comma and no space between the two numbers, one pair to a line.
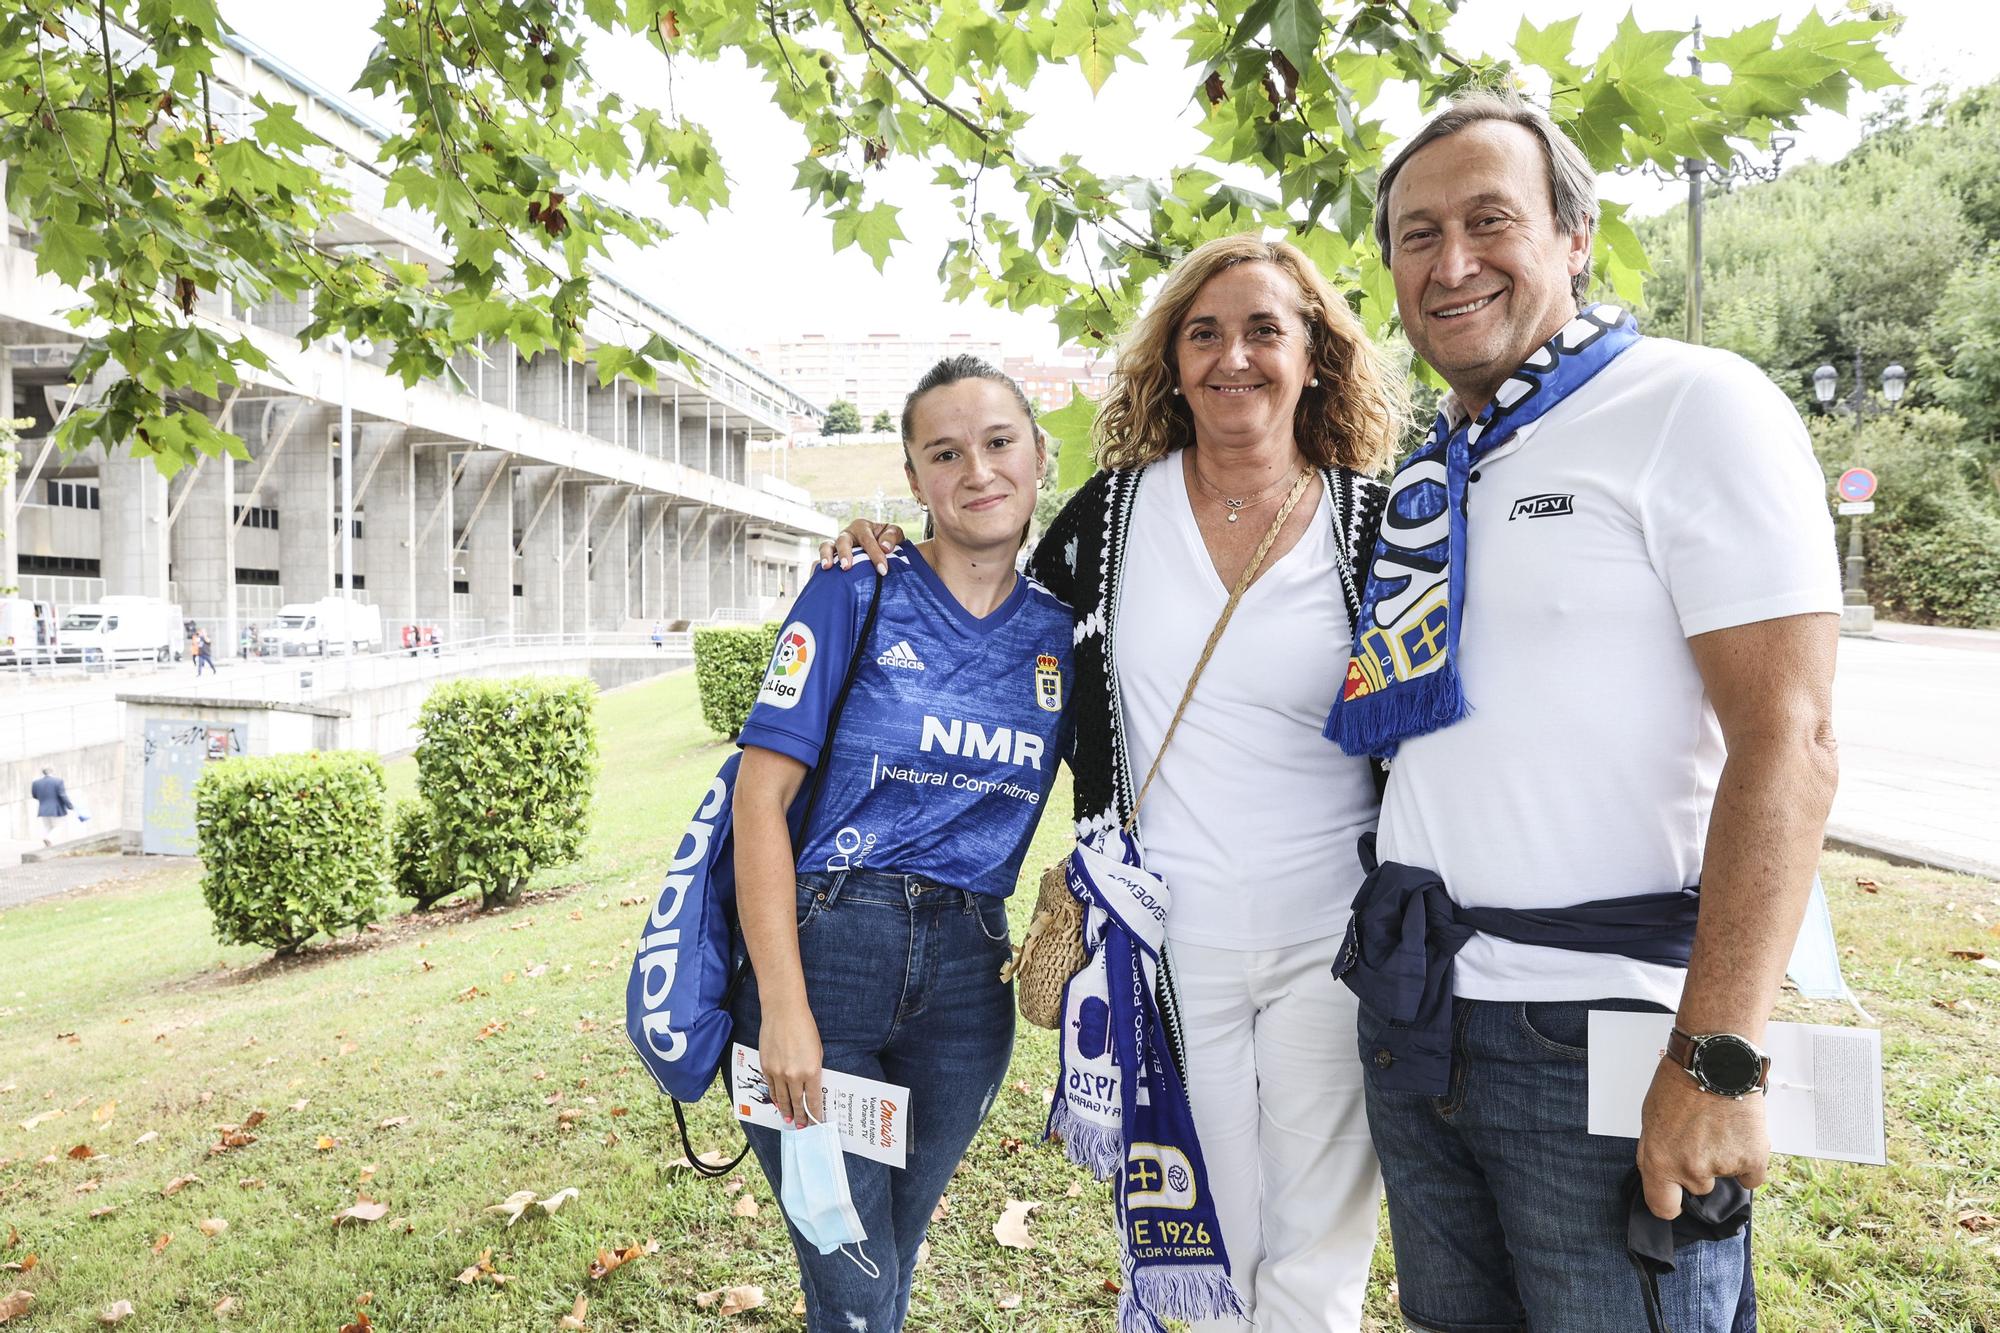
[903,979]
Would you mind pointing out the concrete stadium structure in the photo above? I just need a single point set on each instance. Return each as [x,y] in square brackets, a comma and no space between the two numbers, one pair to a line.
[528,500]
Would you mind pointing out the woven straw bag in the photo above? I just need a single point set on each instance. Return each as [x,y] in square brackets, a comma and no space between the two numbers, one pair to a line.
[1053,950]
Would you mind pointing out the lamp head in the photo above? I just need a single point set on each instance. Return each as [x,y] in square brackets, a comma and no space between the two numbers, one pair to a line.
[1894,378]
[1823,384]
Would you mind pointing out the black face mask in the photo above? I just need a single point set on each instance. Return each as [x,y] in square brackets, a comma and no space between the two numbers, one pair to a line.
[1651,1241]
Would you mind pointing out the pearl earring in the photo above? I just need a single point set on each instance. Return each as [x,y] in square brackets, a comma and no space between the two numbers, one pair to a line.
[1313,383]
[1177,391]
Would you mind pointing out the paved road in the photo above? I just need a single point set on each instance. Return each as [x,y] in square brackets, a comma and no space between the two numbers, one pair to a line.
[1918,715]
[39,879]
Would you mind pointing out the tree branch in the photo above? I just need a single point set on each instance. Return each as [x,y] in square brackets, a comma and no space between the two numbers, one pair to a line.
[110,102]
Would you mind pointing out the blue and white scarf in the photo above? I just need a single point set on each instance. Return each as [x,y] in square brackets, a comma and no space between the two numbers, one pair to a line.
[1402,679]
[1121,1107]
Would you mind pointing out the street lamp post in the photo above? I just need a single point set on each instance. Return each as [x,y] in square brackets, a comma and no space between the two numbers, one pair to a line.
[1699,174]
[1856,615]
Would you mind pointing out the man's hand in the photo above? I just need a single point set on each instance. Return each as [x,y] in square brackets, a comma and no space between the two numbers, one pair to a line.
[1687,1138]
[875,540]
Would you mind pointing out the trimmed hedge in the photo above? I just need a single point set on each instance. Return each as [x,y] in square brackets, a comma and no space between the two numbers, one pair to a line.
[506,769]
[293,845]
[413,848]
[729,666]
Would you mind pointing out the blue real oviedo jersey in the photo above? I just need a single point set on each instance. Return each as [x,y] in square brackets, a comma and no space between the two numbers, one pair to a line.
[952,732]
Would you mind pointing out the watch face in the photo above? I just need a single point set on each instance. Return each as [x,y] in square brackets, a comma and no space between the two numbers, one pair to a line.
[1728,1064]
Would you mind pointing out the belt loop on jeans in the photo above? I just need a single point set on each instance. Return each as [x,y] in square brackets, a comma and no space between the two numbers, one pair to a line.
[831,894]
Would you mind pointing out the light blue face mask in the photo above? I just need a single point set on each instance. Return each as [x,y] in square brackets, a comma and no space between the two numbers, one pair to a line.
[814,1192]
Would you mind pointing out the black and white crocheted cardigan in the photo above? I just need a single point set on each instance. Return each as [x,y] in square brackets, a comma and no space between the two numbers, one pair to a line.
[1081,559]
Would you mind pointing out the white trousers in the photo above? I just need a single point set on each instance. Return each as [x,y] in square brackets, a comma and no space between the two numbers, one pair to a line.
[1276,1086]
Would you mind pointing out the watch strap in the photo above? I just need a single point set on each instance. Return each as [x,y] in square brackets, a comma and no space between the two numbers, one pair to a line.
[1681,1049]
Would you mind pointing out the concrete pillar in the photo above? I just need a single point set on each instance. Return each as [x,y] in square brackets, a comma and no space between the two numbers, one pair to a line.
[203,547]
[610,567]
[300,486]
[579,505]
[133,556]
[697,598]
[430,548]
[723,545]
[384,559]
[486,541]
[693,434]
[539,519]
[10,493]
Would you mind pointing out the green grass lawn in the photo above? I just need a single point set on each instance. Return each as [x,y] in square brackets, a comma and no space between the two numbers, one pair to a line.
[440,1064]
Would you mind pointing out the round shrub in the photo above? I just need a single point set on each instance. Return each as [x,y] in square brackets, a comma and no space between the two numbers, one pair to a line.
[729,667]
[292,845]
[505,770]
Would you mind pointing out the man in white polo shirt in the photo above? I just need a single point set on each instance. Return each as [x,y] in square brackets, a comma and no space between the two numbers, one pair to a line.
[1598,639]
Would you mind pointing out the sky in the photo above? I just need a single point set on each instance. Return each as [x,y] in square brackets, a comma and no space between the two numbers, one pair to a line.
[763,269]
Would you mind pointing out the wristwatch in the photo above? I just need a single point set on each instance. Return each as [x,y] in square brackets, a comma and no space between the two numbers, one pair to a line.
[1720,1062]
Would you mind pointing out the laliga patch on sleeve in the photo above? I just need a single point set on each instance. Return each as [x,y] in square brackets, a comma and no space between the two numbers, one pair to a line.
[791,664]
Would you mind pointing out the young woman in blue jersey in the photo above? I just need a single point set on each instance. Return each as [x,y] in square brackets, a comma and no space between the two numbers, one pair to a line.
[876,941]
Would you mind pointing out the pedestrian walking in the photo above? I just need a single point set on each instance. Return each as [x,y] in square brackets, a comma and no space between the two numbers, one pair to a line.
[203,655]
[659,636]
[52,804]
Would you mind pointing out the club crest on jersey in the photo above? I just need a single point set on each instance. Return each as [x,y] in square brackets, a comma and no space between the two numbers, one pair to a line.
[791,663]
[1048,682]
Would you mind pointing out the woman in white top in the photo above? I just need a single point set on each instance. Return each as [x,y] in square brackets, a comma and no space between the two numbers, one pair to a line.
[1246,369]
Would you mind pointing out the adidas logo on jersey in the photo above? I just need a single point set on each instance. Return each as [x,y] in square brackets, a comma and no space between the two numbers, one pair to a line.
[902,655]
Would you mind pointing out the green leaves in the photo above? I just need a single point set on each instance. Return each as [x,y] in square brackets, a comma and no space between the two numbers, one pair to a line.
[67,250]
[1070,428]
[873,229]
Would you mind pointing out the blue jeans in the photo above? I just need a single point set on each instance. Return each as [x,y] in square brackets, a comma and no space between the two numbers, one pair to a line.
[1506,1214]
[904,979]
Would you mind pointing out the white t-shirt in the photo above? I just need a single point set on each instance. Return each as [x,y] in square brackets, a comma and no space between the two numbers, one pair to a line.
[1253,819]
[1674,494]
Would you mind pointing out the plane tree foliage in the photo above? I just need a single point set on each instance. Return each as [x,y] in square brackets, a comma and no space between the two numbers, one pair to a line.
[148,206]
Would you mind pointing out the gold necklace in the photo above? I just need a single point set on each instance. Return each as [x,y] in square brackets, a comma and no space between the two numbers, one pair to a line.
[1231,503]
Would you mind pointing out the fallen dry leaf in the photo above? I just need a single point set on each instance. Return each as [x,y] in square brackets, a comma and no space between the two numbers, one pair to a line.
[1010,1301]
[484,1271]
[610,1261]
[211,1227]
[745,1206]
[106,1211]
[177,1184]
[225,1306]
[493,1029]
[1967,955]
[15,1304]
[326,1143]
[1075,1190]
[558,1199]
[1866,885]
[116,1313]
[799,1306]
[393,1122]
[166,1237]
[254,1119]
[145,1138]
[90,1187]
[102,1115]
[943,1209]
[363,1209]
[250,1183]
[82,1152]
[42,1119]
[731,1300]
[362,1324]
[573,1321]
[1012,1228]
[1975,1221]
[27,1263]
[513,1205]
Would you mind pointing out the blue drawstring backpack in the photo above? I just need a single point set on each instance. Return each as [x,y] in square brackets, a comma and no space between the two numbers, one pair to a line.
[691,955]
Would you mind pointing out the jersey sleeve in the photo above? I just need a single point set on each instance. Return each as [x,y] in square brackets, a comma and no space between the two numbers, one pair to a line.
[806,669]
[1735,506]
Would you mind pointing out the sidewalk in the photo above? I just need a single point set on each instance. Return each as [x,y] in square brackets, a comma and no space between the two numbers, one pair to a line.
[1917,711]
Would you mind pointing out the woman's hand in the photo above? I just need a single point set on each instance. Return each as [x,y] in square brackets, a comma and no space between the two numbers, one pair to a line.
[876,540]
[789,1051]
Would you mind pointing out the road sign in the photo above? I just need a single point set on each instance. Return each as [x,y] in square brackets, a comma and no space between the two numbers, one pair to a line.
[1856,507]
[1857,484]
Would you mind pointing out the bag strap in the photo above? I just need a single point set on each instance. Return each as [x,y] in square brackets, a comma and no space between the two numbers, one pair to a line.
[1215,635]
[840,704]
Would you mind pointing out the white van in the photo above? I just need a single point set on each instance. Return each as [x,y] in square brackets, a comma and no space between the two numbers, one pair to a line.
[120,629]
[332,624]
[27,630]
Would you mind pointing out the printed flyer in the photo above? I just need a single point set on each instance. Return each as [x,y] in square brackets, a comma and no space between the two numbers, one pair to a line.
[873,1118]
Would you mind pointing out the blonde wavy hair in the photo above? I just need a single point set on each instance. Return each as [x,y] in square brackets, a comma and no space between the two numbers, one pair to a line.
[1354,419]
